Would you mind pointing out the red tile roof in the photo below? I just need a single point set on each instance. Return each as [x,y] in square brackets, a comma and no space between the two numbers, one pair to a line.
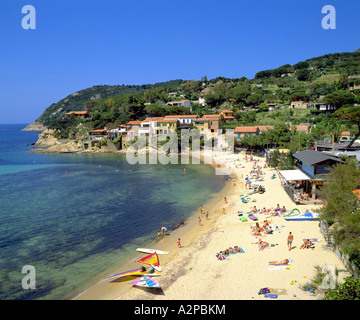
[247,129]
[134,122]
[77,112]
[181,116]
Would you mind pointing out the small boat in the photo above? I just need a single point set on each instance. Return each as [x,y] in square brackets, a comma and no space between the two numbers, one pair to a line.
[145,282]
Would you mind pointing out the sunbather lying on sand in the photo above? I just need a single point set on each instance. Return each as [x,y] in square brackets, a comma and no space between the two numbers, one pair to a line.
[280,263]
[262,244]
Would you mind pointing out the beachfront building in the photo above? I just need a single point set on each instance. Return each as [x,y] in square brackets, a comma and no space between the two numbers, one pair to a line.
[312,168]
[133,124]
[180,103]
[85,115]
[164,126]
[98,134]
[226,115]
[245,131]
[184,120]
[214,123]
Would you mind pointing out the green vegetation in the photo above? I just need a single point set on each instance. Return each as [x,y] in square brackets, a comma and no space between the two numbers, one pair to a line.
[264,100]
[341,209]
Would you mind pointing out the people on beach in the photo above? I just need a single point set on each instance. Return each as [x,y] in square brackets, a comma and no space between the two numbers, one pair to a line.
[307,244]
[290,240]
[207,215]
[199,221]
[201,209]
[225,200]
[279,263]
[179,243]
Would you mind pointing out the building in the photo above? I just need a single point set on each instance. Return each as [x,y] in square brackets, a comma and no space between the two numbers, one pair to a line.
[203,126]
[214,123]
[242,132]
[133,124]
[226,115]
[79,114]
[299,104]
[325,108]
[180,103]
[98,134]
[184,120]
[164,126]
[345,136]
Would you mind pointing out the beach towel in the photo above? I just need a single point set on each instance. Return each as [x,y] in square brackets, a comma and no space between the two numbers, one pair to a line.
[273,268]
[278,291]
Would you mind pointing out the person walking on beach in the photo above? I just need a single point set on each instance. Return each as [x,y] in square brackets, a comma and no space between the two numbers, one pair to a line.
[290,240]
[199,221]
[201,209]
[179,243]
[207,215]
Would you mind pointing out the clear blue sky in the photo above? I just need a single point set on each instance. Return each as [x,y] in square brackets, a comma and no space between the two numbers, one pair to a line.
[81,43]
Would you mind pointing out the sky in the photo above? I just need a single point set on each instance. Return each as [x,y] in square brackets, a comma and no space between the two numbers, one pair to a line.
[81,43]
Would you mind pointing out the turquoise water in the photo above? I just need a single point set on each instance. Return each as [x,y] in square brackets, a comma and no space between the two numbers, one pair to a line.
[72,217]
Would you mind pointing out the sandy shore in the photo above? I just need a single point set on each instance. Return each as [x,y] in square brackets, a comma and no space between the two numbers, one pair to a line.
[193,271]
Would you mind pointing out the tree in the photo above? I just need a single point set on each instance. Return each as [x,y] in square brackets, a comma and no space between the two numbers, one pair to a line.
[341,209]
[303,74]
[238,94]
[340,98]
[352,114]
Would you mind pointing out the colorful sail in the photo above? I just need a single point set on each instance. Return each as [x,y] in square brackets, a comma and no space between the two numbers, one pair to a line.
[145,282]
[152,260]
[136,272]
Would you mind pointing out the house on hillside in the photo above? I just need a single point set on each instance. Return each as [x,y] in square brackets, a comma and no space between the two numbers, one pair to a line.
[226,115]
[79,115]
[184,120]
[133,124]
[180,103]
[299,105]
[325,108]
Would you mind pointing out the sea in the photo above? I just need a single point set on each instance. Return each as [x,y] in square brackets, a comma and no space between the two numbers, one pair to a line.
[66,218]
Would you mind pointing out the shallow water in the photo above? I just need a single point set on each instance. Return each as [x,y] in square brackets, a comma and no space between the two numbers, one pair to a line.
[73,217]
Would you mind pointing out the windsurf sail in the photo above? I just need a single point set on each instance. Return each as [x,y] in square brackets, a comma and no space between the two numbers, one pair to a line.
[145,282]
[151,259]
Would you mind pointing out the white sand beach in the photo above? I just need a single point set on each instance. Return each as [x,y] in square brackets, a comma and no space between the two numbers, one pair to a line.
[194,273]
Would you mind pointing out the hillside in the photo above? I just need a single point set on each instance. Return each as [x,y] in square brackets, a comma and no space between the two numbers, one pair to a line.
[308,80]
[78,101]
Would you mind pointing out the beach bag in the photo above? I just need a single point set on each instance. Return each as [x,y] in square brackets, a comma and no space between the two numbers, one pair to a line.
[264,291]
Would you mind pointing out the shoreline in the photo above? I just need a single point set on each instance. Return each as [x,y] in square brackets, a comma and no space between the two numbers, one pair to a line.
[193,271]
[101,289]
